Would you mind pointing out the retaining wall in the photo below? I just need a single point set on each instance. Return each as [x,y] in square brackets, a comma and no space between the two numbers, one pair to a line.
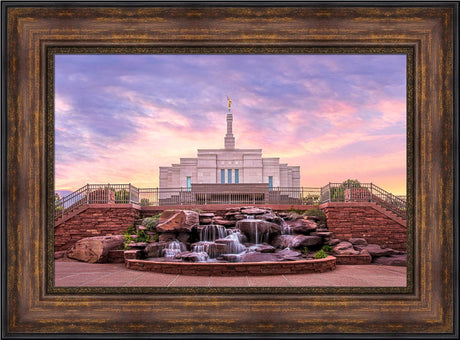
[235,269]
[367,220]
[95,220]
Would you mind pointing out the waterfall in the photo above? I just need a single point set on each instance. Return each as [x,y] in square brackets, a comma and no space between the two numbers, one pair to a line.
[260,237]
[174,248]
[212,232]
[202,257]
[285,228]
[235,247]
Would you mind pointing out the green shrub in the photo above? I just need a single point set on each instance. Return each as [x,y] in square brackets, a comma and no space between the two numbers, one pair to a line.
[144,202]
[295,211]
[320,255]
[151,222]
[351,183]
[304,250]
[327,248]
[122,196]
[131,230]
[316,212]
[128,240]
[142,236]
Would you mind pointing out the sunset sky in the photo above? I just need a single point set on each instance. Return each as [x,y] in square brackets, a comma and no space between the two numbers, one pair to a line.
[119,117]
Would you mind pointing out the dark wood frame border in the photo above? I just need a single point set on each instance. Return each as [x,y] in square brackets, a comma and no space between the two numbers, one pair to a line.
[32,307]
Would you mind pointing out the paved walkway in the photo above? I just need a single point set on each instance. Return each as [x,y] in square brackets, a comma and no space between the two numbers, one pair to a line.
[80,274]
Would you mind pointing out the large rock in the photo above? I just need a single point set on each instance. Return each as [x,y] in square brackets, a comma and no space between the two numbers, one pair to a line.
[265,248]
[155,249]
[226,223]
[304,226]
[258,257]
[213,249]
[271,217]
[205,220]
[288,255]
[166,237]
[358,241]
[304,241]
[345,248]
[376,251]
[259,228]
[184,237]
[177,221]
[95,249]
[282,241]
[333,242]
[393,260]
[188,256]
[254,211]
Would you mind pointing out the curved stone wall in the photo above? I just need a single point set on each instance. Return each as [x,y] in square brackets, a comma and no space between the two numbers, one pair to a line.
[235,269]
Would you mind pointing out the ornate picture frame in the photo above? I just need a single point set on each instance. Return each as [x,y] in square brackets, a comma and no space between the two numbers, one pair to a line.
[425,306]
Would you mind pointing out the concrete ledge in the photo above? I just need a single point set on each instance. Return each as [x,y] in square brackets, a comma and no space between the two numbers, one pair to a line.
[353,259]
[235,269]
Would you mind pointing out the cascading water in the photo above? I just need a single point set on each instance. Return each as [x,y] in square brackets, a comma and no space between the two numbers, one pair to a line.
[209,248]
[285,228]
[173,248]
[212,232]
[235,246]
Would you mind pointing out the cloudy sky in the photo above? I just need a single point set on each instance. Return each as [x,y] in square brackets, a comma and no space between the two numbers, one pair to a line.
[119,117]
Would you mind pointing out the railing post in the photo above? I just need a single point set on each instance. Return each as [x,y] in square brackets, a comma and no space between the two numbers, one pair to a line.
[158,195]
[129,196]
[372,195]
[329,189]
[301,197]
[87,193]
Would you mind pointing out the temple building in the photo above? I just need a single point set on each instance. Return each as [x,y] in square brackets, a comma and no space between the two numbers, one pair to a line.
[229,165]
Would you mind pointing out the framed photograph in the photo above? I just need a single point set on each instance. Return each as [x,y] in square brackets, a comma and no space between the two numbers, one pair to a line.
[134,95]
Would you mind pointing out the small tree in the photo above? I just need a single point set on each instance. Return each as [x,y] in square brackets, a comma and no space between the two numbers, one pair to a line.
[145,202]
[351,183]
[337,193]
[122,196]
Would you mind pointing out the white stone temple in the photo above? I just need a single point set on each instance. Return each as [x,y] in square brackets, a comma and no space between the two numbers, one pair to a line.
[229,165]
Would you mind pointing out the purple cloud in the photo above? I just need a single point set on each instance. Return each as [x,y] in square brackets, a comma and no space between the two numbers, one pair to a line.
[153,109]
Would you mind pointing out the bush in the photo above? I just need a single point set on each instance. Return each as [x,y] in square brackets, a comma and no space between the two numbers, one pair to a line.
[144,202]
[151,222]
[304,250]
[327,248]
[316,212]
[351,183]
[320,255]
[142,236]
[122,196]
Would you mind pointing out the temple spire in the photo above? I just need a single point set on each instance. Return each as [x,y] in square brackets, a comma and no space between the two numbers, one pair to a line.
[229,139]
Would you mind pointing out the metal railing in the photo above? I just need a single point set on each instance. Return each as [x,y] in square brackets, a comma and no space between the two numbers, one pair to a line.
[364,192]
[127,193]
[96,194]
[189,196]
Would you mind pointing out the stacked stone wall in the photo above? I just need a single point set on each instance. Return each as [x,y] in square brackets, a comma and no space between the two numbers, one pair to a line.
[234,269]
[356,220]
[91,222]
